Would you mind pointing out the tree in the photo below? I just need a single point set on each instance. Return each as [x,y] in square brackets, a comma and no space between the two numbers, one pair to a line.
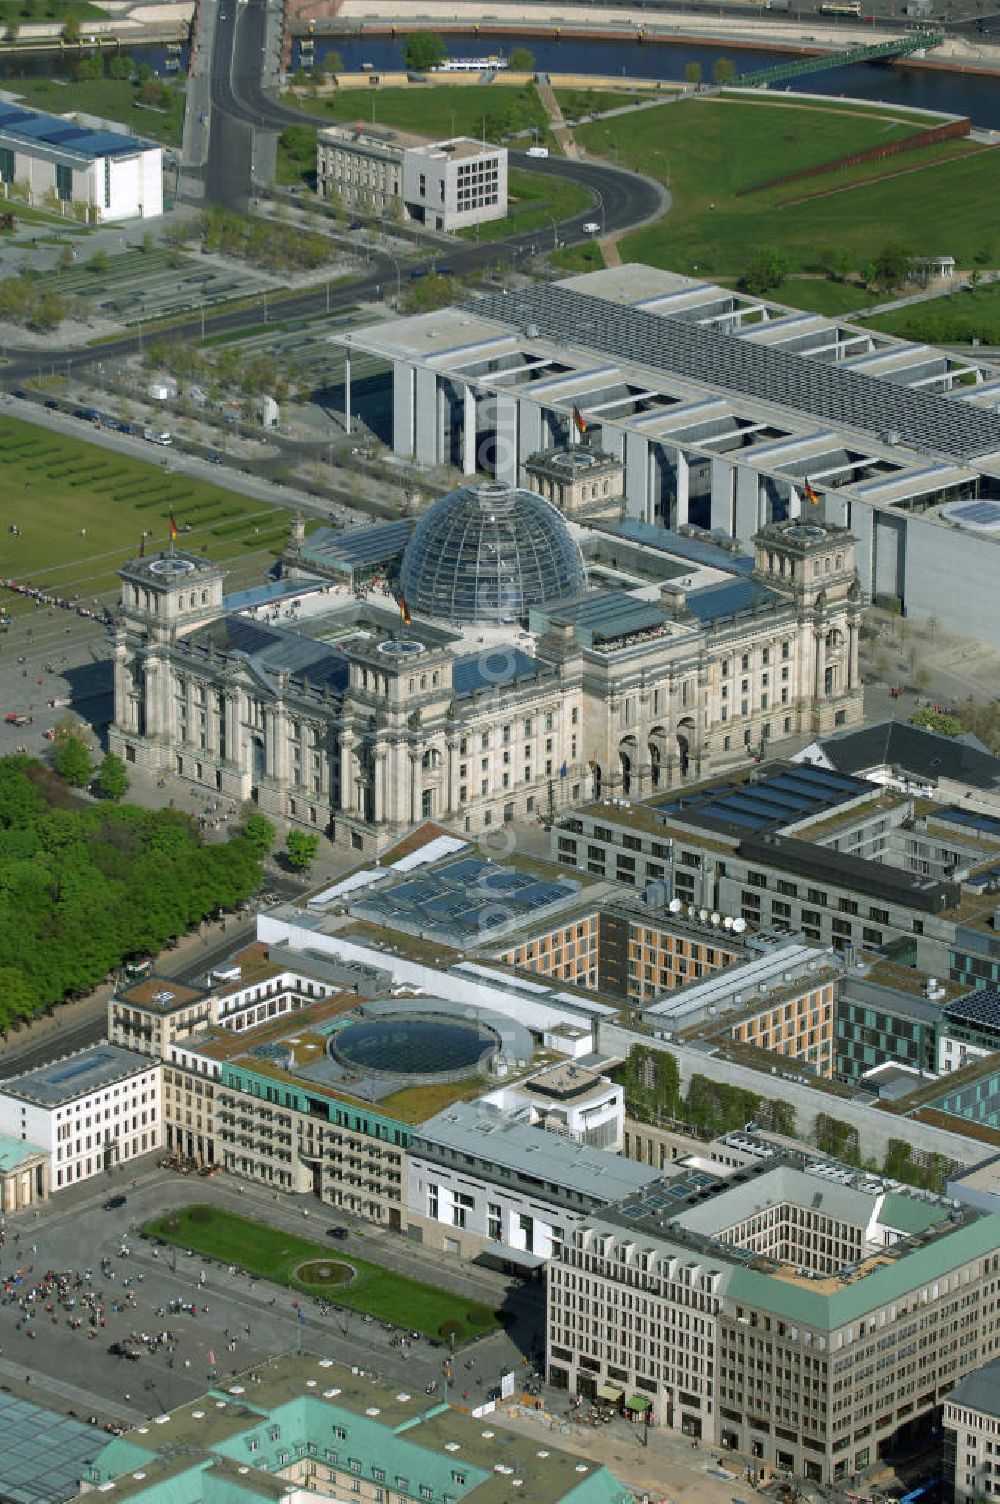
[937,720]
[333,63]
[692,73]
[99,263]
[424,50]
[522,60]
[71,31]
[723,71]
[766,270]
[120,67]
[112,780]
[301,848]
[259,834]
[836,263]
[72,760]
[891,266]
[12,30]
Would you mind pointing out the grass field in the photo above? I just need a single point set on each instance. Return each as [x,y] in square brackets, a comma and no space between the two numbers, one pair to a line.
[705,150]
[575,103]
[55,487]
[111,98]
[52,10]
[955,318]
[819,295]
[275,1255]
[429,110]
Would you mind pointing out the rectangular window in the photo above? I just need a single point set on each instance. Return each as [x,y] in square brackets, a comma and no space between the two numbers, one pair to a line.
[6,165]
[107,182]
[64,183]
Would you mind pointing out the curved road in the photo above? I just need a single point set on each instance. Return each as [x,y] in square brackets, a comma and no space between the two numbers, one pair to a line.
[241,109]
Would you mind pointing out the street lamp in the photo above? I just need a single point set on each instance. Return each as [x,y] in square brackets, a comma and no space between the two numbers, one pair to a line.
[399,284]
[600,204]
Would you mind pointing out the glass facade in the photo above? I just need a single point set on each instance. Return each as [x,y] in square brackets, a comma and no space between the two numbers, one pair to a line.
[486,553]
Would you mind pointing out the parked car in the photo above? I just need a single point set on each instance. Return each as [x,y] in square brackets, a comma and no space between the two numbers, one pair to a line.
[16,718]
[336,1232]
[155,437]
[114,1202]
[52,404]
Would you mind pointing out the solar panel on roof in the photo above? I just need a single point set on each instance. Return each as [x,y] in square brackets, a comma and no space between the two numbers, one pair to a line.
[767,373]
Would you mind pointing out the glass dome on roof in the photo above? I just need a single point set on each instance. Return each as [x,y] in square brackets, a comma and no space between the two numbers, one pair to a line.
[486,553]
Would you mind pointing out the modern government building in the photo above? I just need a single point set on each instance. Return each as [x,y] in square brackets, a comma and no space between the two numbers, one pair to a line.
[725,412]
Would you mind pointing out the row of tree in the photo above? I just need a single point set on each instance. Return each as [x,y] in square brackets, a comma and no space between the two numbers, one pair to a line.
[82,889]
[889,269]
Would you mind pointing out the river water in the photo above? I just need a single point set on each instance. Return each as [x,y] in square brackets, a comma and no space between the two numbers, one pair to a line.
[923,89]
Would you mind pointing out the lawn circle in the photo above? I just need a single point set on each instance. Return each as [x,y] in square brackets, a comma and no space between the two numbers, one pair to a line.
[325,1274]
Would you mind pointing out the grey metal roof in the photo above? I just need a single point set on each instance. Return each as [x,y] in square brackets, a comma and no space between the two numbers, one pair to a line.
[361,545]
[76,1075]
[831,393]
[979,1390]
[601,616]
[713,602]
[563,1163]
[706,550]
[780,794]
[273,649]
[777,1187]
[491,667]
[44,1453]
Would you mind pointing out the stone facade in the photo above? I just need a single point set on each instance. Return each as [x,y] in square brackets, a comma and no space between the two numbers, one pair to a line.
[397,740]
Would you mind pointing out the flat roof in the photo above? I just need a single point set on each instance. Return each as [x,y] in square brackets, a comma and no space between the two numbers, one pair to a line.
[834,393]
[352,547]
[76,1075]
[562,1163]
[66,137]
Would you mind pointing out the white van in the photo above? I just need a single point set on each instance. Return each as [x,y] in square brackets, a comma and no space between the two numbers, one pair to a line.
[157,438]
[538,151]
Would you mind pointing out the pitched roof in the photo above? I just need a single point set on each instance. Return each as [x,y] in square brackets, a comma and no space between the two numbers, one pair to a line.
[926,754]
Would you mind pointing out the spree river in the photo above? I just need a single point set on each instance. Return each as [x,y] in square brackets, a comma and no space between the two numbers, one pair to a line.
[920,88]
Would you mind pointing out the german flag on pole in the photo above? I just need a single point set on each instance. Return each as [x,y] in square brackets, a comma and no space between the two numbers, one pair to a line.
[579,421]
[404,610]
[810,494]
[173,529]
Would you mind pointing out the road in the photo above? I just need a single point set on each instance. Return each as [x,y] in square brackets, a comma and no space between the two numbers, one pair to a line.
[242,111]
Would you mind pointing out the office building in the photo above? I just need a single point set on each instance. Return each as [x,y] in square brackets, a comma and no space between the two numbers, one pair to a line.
[305,1428]
[971,1423]
[88,1112]
[103,174]
[799,1313]
[728,411]
[482,1183]
[445,185]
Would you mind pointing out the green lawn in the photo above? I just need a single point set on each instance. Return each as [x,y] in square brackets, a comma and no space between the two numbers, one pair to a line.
[955,318]
[579,258]
[533,202]
[20,12]
[576,103]
[275,1255]
[55,486]
[706,150]
[819,295]
[433,110]
[111,98]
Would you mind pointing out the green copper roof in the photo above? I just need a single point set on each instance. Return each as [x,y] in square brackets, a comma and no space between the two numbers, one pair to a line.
[907,1214]
[827,1311]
